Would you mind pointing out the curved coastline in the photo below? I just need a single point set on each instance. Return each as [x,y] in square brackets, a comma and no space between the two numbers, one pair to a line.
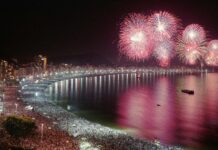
[81,128]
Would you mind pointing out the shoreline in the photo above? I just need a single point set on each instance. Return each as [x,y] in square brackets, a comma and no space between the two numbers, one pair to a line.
[90,134]
[84,130]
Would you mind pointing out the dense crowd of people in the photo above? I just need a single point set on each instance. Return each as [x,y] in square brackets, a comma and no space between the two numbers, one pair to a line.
[47,138]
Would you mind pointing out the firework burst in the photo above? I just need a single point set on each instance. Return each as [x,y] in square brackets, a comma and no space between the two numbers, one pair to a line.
[211,57]
[213,46]
[194,33]
[134,41]
[163,52]
[192,44]
[163,25]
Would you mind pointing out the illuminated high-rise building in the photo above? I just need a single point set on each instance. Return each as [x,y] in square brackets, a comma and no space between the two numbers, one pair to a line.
[41,62]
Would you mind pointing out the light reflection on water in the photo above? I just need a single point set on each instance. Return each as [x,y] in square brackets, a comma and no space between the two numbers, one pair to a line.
[153,105]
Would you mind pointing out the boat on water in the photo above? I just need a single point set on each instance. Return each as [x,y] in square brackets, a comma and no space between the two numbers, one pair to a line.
[188,91]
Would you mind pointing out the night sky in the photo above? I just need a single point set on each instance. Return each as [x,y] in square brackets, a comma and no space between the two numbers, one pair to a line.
[71,28]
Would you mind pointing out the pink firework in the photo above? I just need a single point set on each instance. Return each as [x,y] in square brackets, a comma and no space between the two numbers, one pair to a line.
[163,52]
[211,57]
[194,33]
[213,46]
[192,44]
[134,41]
[163,25]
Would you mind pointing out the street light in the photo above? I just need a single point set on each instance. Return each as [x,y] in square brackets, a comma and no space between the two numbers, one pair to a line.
[16,108]
[36,95]
[42,129]
[68,108]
